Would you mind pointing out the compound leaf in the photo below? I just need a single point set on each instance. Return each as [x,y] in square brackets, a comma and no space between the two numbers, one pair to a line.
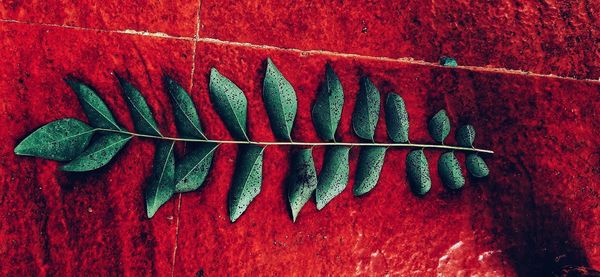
[417,170]
[396,118]
[186,116]
[439,126]
[161,186]
[476,166]
[334,175]
[280,101]
[230,103]
[100,152]
[370,162]
[95,109]
[192,170]
[303,180]
[143,120]
[449,171]
[247,180]
[366,111]
[327,111]
[465,135]
[60,140]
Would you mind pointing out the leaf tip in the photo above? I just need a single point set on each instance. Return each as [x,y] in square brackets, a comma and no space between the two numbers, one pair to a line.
[70,81]
[19,149]
[150,211]
[392,96]
[214,72]
[167,79]
[364,81]
[124,83]
[321,202]
[114,73]
[170,84]
[150,214]
[233,216]
[357,191]
[271,68]
[328,67]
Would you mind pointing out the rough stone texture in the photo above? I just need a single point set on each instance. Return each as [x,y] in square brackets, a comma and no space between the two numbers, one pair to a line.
[538,210]
[551,37]
[174,17]
[63,224]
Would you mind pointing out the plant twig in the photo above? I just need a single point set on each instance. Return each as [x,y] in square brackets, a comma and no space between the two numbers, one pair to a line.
[289,143]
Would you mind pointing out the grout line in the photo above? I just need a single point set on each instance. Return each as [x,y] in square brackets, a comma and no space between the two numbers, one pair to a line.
[405,60]
[196,38]
[195,42]
[176,236]
[127,31]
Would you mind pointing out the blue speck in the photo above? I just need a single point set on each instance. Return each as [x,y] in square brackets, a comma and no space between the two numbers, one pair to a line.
[447,61]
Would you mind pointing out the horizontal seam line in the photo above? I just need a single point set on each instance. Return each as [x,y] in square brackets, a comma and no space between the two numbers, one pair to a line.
[127,31]
[405,60]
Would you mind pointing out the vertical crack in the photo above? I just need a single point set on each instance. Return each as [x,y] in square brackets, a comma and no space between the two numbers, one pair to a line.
[190,87]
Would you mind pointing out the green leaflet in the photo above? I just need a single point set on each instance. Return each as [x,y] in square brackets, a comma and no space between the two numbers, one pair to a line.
[186,116]
[417,170]
[247,180]
[366,111]
[476,166]
[143,120]
[327,111]
[161,186]
[230,103]
[59,140]
[449,171]
[95,109]
[334,175]
[465,135]
[280,101]
[370,162]
[439,126]
[303,180]
[100,152]
[396,118]
[192,170]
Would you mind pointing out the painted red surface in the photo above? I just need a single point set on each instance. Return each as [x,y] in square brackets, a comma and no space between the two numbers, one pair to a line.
[64,224]
[175,17]
[551,37]
[537,211]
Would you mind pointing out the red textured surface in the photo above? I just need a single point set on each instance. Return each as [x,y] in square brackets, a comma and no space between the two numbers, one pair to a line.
[551,37]
[174,17]
[58,223]
[538,210]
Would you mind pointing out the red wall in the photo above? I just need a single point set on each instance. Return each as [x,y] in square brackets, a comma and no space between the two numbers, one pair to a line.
[537,211]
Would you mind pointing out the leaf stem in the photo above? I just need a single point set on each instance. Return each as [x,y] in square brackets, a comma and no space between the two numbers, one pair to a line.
[290,143]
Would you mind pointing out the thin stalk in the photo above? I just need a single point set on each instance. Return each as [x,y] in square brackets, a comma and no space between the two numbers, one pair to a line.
[289,143]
